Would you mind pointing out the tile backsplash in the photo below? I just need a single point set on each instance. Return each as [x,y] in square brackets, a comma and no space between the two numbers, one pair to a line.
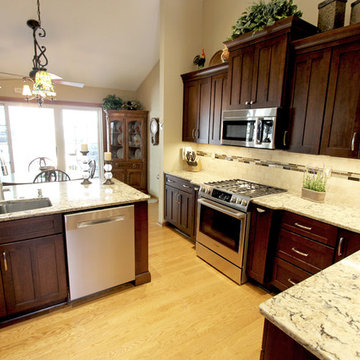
[284,169]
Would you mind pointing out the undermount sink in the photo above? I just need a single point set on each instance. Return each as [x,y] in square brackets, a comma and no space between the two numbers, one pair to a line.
[11,206]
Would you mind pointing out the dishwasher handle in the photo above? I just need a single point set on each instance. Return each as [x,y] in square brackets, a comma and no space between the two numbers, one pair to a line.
[85,224]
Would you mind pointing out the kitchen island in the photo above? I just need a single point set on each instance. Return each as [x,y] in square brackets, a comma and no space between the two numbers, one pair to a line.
[32,242]
[322,313]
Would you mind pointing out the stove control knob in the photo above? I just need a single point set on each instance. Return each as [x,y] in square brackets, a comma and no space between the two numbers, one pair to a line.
[243,202]
[207,191]
[233,199]
[238,201]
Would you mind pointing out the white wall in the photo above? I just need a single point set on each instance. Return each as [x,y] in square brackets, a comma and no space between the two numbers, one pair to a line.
[149,95]
[180,41]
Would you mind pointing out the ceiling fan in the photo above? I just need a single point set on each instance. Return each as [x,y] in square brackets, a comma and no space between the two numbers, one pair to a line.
[42,80]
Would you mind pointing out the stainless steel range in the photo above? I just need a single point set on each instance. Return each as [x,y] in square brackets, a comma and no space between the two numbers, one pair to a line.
[224,223]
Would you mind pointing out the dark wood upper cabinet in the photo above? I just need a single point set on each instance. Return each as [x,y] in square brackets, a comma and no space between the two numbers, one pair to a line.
[342,115]
[218,103]
[202,131]
[203,104]
[241,72]
[191,109]
[196,117]
[269,72]
[309,86]
[258,64]
[325,94]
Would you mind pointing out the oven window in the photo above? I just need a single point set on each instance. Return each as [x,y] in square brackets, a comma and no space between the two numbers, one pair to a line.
[220,227]
[239,130]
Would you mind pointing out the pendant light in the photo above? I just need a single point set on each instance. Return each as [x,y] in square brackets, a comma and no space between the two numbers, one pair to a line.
[43,87]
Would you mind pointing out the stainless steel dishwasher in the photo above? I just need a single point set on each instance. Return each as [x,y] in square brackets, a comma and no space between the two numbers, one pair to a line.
[100,249]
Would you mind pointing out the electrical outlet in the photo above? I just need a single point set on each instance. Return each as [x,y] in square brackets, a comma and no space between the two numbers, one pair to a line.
[18,90]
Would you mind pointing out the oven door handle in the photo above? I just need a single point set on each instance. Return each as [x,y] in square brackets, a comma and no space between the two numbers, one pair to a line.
[222,209]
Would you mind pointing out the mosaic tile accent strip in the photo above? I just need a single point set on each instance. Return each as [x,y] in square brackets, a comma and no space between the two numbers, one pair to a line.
[276,164]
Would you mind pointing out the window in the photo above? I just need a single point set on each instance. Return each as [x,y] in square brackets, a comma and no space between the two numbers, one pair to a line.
[55,132]
[4,142]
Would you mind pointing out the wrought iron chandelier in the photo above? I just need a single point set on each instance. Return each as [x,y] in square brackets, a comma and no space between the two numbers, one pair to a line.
[43,87]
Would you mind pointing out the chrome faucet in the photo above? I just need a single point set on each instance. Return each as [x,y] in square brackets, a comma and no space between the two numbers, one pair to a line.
[4,172]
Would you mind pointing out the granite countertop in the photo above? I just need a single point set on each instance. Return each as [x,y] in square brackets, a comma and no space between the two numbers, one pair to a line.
[341,216]
[322,313]
[68,196]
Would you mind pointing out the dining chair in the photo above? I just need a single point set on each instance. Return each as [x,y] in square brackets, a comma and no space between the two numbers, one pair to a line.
[92,168]
[41,163]
[51,175]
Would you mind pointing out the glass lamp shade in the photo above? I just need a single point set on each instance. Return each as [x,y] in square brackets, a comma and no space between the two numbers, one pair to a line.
[26,91]
[43,85]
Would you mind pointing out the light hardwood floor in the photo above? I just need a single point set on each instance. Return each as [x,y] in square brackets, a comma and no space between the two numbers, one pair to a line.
[188,311]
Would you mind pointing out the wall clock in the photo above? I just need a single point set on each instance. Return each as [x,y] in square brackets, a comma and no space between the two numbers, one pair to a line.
[154,131]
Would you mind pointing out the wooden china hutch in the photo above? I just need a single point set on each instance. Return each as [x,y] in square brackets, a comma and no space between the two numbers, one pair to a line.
[126,136]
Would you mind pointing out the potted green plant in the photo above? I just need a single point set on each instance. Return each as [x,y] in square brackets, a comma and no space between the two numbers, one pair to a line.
[260,15]
[314,184]
[112,102]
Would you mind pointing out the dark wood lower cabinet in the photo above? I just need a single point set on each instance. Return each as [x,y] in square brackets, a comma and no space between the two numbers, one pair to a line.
[2,300]
[262,240]
[277,345]
[180,204]
[33,273]
[348,243]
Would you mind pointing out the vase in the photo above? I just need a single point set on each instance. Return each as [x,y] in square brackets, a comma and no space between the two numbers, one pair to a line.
[331,14]
[355,12]
[312,195]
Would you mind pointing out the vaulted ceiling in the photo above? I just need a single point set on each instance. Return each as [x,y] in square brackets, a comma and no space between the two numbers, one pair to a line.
[102,43]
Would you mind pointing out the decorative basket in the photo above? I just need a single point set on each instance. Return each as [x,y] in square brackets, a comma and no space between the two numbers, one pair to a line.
[312,195]
[331,14]
[355,12]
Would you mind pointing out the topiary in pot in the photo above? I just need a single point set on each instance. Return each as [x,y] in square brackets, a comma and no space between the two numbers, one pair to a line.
[112,102]
[260,15]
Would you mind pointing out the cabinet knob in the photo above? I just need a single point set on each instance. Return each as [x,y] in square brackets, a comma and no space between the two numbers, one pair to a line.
[252,102]
[247,102]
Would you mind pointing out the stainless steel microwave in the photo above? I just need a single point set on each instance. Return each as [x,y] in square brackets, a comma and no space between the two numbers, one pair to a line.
[249,127]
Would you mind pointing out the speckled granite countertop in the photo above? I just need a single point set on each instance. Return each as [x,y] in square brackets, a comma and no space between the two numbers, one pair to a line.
[341,216]
[322,313]
[70,196]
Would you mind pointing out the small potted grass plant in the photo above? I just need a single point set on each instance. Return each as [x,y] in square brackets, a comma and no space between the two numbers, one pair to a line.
[314,184]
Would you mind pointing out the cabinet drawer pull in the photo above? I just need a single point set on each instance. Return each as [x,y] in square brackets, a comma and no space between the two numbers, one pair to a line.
[291,282]
[186,186]
[260,211]
[353,141]
[339,250]
[5,261]
[198,133]
[303,227]
[170,181]
[299,252]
